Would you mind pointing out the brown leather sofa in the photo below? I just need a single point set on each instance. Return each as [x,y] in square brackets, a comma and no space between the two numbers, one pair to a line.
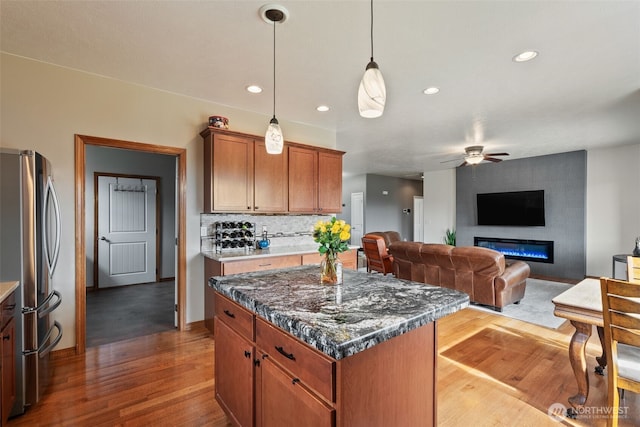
[481,273]
[375,246]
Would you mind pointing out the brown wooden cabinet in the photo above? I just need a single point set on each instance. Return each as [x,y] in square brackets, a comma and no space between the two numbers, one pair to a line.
[274,379]
[315,181]
[7,357]
[271,186]
[239,176]
[228,185]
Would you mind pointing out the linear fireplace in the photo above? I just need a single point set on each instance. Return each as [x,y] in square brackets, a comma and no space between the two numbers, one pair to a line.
[526,250]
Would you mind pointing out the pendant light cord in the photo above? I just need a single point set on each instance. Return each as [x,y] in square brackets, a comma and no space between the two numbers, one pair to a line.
[274,69]
[371,30]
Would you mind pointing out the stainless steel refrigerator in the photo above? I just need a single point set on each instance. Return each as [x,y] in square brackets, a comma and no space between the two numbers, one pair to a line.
[29,247]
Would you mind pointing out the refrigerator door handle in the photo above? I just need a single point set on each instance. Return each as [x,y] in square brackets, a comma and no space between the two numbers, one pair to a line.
[47,310]
[43,350]
[52,259]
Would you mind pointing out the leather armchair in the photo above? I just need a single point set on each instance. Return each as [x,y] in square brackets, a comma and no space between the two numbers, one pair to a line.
[376,250]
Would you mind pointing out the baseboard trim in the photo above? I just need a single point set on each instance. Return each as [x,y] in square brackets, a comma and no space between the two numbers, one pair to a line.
[195,325]
[64,353]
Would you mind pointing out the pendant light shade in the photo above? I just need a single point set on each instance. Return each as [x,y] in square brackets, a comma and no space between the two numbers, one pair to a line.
[372,93]
[273,139]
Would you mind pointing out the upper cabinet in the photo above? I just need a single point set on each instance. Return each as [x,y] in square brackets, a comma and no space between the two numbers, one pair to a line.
[239,176]
[315,181]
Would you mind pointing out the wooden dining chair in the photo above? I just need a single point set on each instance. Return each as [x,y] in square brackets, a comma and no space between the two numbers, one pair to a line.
[633,269]
[621,316]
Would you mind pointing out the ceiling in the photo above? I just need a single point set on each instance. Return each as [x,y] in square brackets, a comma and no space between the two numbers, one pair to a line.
[581,92]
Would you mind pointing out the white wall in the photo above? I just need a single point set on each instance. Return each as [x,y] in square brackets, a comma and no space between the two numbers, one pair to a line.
[613,205]
[439,194]
[41,108]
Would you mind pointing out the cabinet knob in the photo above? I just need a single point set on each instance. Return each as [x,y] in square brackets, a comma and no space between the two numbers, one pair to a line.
[6,337]
[295,380]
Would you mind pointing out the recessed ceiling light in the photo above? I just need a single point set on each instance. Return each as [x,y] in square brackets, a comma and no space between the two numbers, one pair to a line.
[254,89]
[431,91]
[525,56]
[322,108]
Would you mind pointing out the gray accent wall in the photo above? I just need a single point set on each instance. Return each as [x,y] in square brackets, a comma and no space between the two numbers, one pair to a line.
[563,179]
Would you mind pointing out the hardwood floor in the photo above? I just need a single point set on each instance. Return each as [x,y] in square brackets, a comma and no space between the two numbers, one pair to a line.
[492,371]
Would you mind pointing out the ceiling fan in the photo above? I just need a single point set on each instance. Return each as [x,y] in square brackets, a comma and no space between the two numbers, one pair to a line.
[473,156]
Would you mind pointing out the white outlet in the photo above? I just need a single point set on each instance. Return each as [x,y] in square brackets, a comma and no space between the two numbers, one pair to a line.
[203,231]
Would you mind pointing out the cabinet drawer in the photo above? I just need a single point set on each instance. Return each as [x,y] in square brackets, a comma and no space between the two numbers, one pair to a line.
[312,368]
[238,318]
[266,263]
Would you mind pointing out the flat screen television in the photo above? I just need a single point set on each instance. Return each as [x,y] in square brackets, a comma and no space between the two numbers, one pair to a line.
[518,208]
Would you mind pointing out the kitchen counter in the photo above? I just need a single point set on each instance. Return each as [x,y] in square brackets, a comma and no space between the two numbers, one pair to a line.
[342,320]
[260,253]
[6,288]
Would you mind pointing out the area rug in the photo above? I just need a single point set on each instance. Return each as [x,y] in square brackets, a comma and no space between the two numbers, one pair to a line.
[536,306]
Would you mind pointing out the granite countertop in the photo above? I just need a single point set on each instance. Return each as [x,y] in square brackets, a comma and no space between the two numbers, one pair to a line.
[259,253]
[6,288]
[339,320]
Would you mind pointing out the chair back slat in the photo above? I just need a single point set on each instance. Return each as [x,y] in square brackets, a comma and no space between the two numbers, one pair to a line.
[625,336]
[621,288]
[624,320]
[633,269]
[624,305]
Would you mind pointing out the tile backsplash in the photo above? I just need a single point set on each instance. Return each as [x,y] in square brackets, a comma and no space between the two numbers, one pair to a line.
[282,230]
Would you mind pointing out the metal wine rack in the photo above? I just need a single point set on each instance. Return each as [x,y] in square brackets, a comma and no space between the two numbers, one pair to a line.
[234,236]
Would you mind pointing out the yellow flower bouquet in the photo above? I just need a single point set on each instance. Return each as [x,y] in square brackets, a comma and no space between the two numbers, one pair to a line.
[333,236]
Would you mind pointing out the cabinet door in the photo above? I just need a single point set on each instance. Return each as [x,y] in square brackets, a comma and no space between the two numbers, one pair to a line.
[303,180]
[234,374]
[8,369]
[232,173]
[329,182]
[284,401]
[270,180]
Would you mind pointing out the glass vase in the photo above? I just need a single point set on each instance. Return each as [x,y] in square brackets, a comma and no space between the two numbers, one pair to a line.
[331,269]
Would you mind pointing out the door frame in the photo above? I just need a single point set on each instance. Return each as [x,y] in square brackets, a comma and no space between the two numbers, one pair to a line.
[96,176]
[81,141]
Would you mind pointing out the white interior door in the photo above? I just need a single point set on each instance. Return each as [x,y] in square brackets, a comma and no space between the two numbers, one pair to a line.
[418,219]
[357,218]
[126,231]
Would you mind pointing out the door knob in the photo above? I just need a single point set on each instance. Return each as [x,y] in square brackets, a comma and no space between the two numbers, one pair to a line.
[105,239]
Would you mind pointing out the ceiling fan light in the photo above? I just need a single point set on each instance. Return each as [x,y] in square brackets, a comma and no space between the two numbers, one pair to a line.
[273,138]
[372,93]
[474,160]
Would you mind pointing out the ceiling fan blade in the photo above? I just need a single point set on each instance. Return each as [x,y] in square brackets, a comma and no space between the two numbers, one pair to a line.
[451,160]
[491,159]
[497,154]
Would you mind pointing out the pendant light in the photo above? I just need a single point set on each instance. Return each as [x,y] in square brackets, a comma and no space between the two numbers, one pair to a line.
[372,93]
[273,139]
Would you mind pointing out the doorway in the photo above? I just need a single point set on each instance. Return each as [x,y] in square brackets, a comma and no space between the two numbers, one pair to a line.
[357,218]
[178,241]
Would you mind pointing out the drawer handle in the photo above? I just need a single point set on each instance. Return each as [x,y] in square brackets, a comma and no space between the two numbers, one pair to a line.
[295,380]
[230,314]
[289,356]
[6,337]
[247,354]
[264,265]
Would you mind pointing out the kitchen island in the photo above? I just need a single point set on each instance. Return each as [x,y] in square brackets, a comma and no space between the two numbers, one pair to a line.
[290,351]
